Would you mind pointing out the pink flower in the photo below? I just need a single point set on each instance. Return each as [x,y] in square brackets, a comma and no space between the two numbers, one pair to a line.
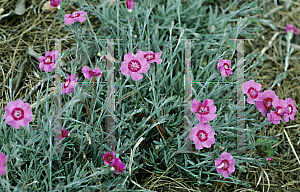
[151,56]
[224,67]
[292,28]
[104,58]
[47,63]
[55,3]
[89,73]
[274,118]
[252,90]
[75,16]
[118,165]
[202,135]
[264,101]
[134,66]
[68,86]
[204,112]
[290,110]
[3,159]
[226,165]
[130,5]
[63,134]
[269,159]
[108,158]
[18,114]
[280,106]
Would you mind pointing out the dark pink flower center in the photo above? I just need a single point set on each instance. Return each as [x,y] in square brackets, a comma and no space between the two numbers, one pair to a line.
[64,133]
[225,164]
[279,110]
[268,103]
[134,65]
[48,60]
[202,135]
[252,92]
[75,15]
[67,83]
[17,114]
[203,110]
[149,56]
[290,109]
[226,66]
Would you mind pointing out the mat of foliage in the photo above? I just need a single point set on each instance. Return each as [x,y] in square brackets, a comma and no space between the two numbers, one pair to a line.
[31,169]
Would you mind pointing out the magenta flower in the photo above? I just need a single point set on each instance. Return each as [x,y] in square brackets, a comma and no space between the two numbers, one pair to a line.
[3,159]
[104,58]
[89,73]
[264,101]
[75,16]
[292,28]
[63,134]
[202,135]
[134,66]
[290,110]
[68,86]
[252,90]
[130,5]
[118,165]
[108,158]
[47,63]
[18,114]
[151,56]
[226,165]
[224,67]
[269,159]
[55,3]
[204,112]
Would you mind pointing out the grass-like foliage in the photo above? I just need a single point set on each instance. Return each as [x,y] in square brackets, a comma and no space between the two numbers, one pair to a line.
[152,25]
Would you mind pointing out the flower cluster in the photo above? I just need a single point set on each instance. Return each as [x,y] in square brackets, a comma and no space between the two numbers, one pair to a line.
[116,163]
[268,99]
[203,136]
[135,65]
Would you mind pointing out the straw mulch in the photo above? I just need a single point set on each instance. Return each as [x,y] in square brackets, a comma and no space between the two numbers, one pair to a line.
[19,32]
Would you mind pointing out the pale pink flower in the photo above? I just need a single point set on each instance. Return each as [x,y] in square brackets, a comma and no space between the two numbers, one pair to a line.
[252,90]
[264,101]
[202,135]
[118,165]
[290,110]
[130,5]
[3,159]
[292,28]
[89,73]
[226,165]
[204,112]
[108,158]
[134,65]
[151,56]
[18,114]
[75,16]
[224,67]
[55,3]
[47,63]
[68,86]
[63,134]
